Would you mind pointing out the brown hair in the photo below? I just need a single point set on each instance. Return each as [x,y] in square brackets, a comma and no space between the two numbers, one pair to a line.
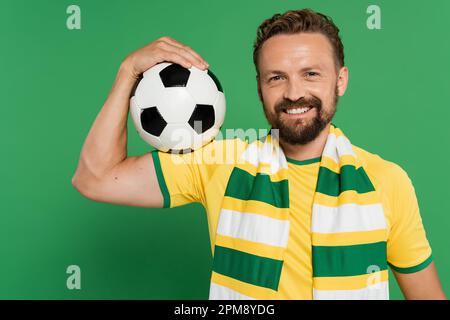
[296,21]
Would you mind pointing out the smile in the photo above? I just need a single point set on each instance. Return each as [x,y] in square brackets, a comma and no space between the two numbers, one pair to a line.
[297,110]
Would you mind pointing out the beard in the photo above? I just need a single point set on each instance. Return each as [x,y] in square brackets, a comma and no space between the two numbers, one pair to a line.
[301,131]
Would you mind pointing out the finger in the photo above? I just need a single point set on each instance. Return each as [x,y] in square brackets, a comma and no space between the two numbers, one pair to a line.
[171,56]
[191,51]
[198,62]
[185,47]
[180,51]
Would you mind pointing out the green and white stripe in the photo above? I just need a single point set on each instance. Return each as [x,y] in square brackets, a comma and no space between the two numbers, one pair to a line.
[334,144]
[265,153]
[379,291]
[253,227]
[347,218]
[218,292]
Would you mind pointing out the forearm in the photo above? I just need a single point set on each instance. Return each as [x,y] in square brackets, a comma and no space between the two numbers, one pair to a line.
[106,143]
[421,285]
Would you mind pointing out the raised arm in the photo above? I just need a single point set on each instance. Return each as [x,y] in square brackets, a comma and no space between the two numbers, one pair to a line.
[105,173]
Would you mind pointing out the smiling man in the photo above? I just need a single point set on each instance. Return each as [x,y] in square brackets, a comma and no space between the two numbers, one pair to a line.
[299,82]
[301,213]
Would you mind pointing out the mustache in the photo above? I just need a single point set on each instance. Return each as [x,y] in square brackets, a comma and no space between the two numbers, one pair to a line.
[302,102]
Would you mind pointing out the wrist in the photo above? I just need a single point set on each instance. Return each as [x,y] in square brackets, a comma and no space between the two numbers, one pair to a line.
[125,81]
[126,68]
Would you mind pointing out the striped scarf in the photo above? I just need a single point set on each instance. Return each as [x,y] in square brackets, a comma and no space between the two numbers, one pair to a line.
[348,227]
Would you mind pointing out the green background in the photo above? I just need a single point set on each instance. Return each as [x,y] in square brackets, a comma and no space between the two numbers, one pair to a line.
[54,82]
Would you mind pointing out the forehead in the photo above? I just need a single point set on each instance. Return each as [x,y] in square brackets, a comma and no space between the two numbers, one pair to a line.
[300,49]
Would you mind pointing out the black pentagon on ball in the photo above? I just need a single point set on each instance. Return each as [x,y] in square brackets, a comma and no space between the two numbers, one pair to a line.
[202,118]
[152,121]
[174,76]
[216,80]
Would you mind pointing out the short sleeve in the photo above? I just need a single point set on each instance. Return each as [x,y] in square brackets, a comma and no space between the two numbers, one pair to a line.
[178,177]
[408,248]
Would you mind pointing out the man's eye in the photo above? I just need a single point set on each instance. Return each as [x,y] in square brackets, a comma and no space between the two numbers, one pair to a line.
[275,78]
[312,74]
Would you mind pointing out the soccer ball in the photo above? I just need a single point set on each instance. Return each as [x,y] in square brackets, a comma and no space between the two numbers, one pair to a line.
[178,110]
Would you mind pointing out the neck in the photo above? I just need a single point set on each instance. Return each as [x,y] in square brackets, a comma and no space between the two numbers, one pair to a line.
[307,151]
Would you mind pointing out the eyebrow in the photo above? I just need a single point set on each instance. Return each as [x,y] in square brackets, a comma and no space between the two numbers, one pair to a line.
[316,67]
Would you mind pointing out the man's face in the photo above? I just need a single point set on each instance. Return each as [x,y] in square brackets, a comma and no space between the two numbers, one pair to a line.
[299,85]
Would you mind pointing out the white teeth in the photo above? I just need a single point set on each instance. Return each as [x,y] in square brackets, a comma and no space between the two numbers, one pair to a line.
[298,110]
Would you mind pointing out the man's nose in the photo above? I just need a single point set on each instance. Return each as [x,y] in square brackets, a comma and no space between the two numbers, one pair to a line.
[294,90]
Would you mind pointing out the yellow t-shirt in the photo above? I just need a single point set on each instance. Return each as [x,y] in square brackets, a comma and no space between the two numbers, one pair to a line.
[202,176]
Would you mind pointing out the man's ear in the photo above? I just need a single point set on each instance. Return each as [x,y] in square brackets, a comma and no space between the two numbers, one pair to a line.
[342,81]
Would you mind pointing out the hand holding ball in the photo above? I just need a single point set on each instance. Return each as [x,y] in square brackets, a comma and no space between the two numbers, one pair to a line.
[178,110]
